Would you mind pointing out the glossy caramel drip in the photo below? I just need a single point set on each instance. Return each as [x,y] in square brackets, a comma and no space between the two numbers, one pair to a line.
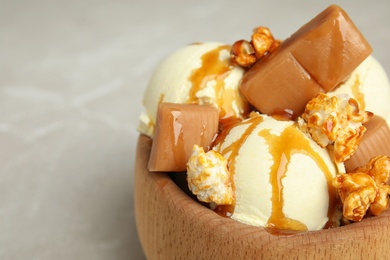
[282,148]
[233,150]
[213,68]
[161,98]
[357,94]
[224,128]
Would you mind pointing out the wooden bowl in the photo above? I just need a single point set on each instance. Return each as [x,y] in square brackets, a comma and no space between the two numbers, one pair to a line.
[172,225]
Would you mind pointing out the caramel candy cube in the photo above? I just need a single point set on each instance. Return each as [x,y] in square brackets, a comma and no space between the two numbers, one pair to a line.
[375,141]
[178,128]
[316,58]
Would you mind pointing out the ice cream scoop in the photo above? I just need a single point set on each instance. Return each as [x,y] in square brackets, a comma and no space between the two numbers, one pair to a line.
[199,73]
[282,179]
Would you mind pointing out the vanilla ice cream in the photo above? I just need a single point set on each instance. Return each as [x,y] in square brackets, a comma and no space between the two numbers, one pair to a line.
[281,178]
[370,86]
[199,73]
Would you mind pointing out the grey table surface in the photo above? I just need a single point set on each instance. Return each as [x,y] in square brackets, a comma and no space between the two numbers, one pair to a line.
[72,77]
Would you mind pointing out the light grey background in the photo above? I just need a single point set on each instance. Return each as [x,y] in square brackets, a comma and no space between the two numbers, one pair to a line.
[72,76]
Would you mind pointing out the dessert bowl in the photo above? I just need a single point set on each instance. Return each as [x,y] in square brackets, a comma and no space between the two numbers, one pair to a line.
[171,224]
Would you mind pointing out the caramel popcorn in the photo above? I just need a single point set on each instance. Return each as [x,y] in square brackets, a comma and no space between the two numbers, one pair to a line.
[263,42]
[365,189]
[245,54]
[208,177]
[335,121]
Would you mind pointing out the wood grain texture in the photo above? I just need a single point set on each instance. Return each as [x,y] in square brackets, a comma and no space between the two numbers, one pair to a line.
[173,226]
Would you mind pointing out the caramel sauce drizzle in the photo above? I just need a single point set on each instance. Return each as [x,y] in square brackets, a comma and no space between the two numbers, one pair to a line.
[358,95]
[233,149]
[282,148]
[213,68]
